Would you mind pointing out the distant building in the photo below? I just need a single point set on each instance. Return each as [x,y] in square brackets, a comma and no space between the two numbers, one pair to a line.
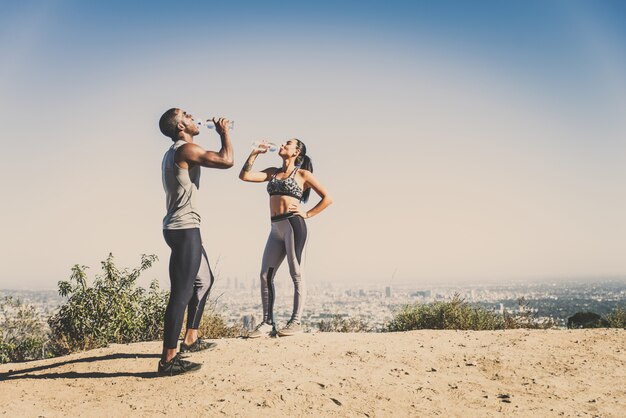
[388,291]
[421,294]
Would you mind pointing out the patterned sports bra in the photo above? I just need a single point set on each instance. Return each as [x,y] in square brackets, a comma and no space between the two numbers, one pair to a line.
[285,187]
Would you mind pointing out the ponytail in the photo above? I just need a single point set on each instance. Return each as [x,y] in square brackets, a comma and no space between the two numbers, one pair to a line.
[304,161]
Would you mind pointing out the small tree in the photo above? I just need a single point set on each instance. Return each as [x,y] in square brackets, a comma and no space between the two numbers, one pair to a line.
[22,333]
[617,318]
[113,310]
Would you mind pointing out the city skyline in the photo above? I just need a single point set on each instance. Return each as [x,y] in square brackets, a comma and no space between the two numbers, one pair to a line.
[375,305]
[461,141]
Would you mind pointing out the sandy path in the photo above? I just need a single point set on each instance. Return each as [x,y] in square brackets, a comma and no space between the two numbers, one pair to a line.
[418,373]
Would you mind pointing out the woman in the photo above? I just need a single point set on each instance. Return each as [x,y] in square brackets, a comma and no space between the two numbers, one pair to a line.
[287,186]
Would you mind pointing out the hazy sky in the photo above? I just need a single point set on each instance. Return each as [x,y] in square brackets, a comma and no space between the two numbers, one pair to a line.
[460,140]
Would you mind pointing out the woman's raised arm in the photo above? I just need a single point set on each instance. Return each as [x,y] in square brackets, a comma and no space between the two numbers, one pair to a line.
[246,173]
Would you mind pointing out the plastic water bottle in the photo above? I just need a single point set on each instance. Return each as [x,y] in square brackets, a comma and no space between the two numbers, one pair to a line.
[211,125]
[270,146]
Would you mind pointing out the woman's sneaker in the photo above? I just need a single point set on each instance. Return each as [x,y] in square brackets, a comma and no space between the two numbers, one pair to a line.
[262,330]
[292,327]
[177,366]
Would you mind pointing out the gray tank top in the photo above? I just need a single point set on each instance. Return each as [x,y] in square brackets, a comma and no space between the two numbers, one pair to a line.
[181,187]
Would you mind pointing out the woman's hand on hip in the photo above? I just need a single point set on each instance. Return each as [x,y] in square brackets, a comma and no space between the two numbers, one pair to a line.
[295,209]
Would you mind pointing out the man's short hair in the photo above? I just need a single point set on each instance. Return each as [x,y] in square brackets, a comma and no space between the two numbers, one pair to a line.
[168,123]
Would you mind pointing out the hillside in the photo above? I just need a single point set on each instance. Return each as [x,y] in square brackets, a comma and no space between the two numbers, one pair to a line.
[418,373]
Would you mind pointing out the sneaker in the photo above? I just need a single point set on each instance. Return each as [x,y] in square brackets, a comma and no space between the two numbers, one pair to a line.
[198,345]
[262,330]
[292,327]
[177,366]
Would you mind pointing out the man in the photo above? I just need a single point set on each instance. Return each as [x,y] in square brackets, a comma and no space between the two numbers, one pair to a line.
[190,275]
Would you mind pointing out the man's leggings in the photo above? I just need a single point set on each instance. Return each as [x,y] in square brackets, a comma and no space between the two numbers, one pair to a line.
[191,280]
[287,238]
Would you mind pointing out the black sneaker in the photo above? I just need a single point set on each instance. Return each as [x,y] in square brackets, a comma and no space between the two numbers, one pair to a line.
[177,366]
[198,345]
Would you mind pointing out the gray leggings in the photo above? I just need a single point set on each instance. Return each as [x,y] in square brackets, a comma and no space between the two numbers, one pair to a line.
[287,238]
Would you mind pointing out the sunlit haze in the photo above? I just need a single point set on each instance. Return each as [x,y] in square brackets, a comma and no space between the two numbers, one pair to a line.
[461,141]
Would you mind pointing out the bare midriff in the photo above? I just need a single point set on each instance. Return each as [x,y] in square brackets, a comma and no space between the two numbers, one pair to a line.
[279,204]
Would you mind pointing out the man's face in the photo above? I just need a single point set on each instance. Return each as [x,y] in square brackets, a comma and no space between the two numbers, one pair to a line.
[186,123]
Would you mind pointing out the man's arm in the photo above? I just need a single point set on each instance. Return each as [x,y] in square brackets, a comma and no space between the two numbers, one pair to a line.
[194,154]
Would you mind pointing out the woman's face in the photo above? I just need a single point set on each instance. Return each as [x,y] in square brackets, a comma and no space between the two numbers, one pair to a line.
[289,149]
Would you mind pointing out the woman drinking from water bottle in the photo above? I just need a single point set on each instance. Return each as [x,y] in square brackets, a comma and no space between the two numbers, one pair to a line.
[287,186]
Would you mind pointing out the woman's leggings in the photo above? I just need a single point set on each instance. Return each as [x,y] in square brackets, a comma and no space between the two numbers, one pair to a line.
[191,280]
[287,238]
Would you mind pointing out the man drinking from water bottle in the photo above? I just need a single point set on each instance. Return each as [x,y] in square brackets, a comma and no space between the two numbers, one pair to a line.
[190,275]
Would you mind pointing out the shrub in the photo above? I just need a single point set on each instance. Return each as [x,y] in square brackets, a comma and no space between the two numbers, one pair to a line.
[213,325]
[340,324]
[456,314]
[459,315]
[586,320]
[113,310]
[617,318]
[22,334]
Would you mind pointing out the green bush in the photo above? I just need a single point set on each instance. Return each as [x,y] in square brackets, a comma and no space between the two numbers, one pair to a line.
[113,310]
[617,318]
[23,335]
[456,314]
[459,315]
[338,323]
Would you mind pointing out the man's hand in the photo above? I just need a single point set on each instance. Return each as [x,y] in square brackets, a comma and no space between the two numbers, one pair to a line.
[221,125]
